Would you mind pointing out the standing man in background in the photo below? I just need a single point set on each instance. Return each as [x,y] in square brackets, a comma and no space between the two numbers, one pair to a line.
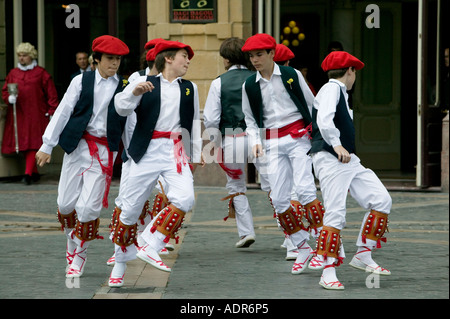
[82,60]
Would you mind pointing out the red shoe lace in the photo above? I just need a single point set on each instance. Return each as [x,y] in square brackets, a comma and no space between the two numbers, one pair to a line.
[298,266]
[116,280]
[332,283]
[316,262]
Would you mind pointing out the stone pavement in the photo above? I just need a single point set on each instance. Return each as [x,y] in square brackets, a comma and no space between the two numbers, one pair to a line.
[205,265]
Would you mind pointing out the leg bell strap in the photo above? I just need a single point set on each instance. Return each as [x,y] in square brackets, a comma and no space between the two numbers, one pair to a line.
[114,218]
[329,242]
[291,221]
[87,231]
[159,203]
[168,222]
[145,212]
[375,226]
[67,221]
[124,235]
[231,208]
[314,213]
[298,207]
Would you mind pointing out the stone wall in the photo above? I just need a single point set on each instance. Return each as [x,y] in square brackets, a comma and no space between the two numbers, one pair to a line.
[233,20]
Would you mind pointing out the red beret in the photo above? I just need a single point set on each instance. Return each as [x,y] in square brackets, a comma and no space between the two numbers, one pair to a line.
[260,41]
[109,45]
[341,60]
[151,44]
[150,55]
[283,53]
[167,45]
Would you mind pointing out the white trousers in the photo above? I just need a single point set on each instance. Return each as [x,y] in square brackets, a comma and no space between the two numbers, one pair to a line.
[337,180]
[124,181]
[289,170]
[82,183]
[159,160]
[235,151]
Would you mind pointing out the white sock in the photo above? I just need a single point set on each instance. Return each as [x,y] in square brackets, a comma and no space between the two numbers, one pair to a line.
[118,270]
[364,254]
[80,257]
[329,273]
[71,245]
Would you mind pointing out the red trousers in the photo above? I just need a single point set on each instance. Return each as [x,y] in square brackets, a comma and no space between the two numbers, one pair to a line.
[30,162]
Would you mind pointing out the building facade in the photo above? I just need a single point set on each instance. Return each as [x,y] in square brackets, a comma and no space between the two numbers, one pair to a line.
[397,97]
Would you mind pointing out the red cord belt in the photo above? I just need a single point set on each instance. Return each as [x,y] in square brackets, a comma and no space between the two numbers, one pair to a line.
[92,142]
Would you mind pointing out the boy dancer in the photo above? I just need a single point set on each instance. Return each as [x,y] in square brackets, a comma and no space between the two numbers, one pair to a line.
[147,214]
[223,112]
[339,171]
[88,128]
[167,108]
[278,99]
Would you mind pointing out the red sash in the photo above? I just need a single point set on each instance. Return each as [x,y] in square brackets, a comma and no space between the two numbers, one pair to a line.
[232,173]
[178,149]
[107,170]
[296,129]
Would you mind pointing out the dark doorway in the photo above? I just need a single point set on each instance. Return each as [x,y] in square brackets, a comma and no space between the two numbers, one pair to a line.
[63,42]
[300,32]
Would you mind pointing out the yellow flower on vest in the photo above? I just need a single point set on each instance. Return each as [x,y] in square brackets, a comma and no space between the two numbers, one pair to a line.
[124,83]
[290,82]
[188,91]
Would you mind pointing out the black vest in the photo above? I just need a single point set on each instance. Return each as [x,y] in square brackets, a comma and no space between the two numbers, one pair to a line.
[76,126]
[231,99]
[147,113]
[290,80]
[343,123]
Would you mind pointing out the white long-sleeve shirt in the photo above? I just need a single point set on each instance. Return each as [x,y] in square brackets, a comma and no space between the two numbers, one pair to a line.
[169,116]
[136,74]
[325,103]
[103,92]
[278,108]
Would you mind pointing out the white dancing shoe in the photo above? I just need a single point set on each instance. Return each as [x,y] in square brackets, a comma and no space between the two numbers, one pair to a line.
[245,241]
[112,260]
[328,280]
[284,244]
[291,249]
[76,268]
[317,263]
[331,285]
[151,257]
[69,259]
[304,254]
[116,279]
[115,282]
[359,263]
[292,254]
[164,251]
[170,247]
